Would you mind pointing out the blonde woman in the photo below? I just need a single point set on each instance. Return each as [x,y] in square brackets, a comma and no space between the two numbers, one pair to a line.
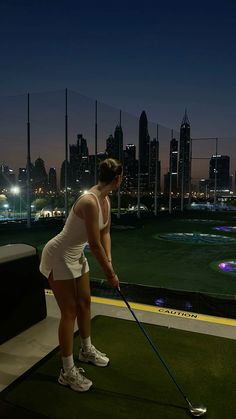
[66,268]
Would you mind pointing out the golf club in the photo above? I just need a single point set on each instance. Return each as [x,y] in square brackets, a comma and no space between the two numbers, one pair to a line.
[195,410]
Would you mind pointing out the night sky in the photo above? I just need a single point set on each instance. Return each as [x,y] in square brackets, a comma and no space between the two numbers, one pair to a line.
[157,56]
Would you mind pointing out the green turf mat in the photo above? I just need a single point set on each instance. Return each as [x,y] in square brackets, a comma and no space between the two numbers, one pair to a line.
[135,384]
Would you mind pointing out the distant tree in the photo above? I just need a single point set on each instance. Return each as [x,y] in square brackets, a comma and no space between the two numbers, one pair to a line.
[40,203]
[3,199]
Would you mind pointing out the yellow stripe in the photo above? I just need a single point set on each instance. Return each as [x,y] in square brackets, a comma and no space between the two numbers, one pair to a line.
[162,310]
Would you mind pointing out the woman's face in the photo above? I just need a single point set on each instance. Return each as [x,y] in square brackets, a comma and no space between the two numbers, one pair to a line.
[117,181]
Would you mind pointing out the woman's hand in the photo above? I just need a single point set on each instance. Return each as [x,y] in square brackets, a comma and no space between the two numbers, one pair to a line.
[114,281]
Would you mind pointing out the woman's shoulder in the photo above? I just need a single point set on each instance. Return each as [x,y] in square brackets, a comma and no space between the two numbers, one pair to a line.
[85,202]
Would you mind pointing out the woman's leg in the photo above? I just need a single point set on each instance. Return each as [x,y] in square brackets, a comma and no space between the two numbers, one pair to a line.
[66,295]
[83,298]
[88,352]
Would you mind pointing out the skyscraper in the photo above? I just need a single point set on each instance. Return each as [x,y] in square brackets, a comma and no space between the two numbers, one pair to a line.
[82,145]
[130,166]
[144,143]
[219,172]
[40,177]
[184,173]
[84,173]
[22,176]
[154,165]
[118,136]
[173,164]
[79,162]
[110,147]
[114,144]
[62,175]
[74,165]
[52,179]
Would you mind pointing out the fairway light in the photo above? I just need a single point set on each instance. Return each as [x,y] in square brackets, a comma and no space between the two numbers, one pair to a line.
[160,302]
[228,266]
[188,306]
[229,229]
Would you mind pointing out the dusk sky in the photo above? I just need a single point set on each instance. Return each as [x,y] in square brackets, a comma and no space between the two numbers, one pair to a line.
[157,56]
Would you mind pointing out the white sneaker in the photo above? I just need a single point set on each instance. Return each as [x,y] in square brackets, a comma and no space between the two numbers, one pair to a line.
[74,379]
[93,356]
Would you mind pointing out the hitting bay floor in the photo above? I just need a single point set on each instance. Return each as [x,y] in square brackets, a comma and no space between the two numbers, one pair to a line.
[20,353]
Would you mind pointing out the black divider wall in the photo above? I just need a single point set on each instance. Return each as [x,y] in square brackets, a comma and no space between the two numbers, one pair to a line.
[22,296]
[191,302]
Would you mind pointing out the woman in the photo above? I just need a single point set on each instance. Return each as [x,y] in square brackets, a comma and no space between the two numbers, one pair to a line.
[64,264]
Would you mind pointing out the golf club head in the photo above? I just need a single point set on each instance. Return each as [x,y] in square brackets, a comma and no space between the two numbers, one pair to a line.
[197,410]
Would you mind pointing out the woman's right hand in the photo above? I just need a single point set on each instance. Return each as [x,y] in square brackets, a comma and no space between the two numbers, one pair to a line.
[114,281]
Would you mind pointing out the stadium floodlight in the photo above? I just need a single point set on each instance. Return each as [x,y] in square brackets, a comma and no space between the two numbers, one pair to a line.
[15,190]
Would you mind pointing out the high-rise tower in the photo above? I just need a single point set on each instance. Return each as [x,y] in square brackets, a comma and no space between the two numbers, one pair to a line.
[114,145]
[219,172]
[144,144]
[79,162]
[40,177]
[130,166]
[173,164]
[110,147]
[52,179]
[184,173]
[118,135]
[154,165]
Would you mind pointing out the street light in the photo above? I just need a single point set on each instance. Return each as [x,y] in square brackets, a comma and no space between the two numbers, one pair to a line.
[15,190]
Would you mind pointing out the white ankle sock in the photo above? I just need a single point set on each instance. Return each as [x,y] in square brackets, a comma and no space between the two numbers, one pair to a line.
[67,362]
[86,343]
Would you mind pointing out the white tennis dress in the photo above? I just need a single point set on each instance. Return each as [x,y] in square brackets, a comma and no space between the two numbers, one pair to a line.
[64,255]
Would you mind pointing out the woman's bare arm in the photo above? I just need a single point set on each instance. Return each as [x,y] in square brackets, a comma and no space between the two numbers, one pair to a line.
[106,239]
[89,210]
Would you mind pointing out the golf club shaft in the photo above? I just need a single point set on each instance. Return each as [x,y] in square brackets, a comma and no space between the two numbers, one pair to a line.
[153,345]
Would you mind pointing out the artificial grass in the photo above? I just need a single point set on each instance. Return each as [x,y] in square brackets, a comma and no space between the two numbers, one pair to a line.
[141,259]
[135,385]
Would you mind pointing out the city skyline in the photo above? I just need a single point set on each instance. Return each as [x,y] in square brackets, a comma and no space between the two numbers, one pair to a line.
[161,58]
[142,160]
[48,132]
[209,151]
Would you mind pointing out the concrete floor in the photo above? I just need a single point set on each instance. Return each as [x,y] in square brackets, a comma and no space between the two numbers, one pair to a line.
[20,353]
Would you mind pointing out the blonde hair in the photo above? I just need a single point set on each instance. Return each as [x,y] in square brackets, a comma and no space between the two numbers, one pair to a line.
[109,169]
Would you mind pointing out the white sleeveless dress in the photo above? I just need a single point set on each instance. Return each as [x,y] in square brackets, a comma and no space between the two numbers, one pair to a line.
[63,255]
